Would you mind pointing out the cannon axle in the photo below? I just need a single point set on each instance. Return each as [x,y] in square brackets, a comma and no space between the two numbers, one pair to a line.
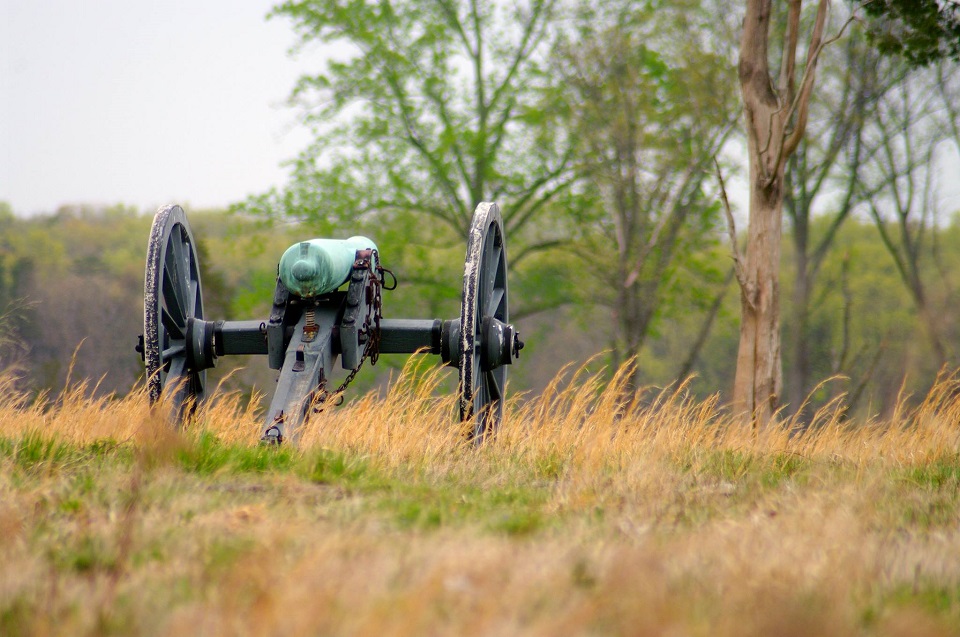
[397,336]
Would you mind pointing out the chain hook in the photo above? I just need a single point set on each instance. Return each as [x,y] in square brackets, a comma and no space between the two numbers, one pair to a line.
[371,327]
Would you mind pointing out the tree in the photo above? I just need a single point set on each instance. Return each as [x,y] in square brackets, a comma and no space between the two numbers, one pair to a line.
[899,182]
[775,115]
[649,111]
[948,88]
[920,31]
[821,179]
[776,110]
[427,108]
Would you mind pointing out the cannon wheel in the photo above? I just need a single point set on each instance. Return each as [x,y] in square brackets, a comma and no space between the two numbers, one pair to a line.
[172,297]
[484,295]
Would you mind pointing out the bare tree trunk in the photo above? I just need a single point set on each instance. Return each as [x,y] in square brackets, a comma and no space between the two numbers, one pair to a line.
[798,381]
[757,384]
[775,120]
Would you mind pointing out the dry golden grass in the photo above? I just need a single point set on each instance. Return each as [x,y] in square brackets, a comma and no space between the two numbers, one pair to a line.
[586,515]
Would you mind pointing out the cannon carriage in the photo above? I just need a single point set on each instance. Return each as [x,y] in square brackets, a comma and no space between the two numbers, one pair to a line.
[327,305]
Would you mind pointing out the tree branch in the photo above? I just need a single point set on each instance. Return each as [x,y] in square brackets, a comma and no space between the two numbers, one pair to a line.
[801,106]
[522,52]
[413,138]
[738,267]
[704,331]
[787,82]
[543,246]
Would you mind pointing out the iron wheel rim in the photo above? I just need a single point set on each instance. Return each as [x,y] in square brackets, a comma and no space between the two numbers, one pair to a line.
[172,297]
[484,295]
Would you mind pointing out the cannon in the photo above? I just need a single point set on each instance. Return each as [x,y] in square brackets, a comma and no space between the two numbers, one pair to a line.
[327,304]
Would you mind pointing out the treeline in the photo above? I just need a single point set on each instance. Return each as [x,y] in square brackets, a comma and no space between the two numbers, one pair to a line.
[72,287]
[606,133]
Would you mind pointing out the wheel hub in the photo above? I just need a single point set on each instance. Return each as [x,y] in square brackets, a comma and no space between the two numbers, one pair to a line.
[201,344]
[500,344]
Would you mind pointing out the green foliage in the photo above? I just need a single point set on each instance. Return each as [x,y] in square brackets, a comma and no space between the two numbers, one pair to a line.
[922,31]
[863,323]
[649,113]
[884,343]
[64,276]
[427,109]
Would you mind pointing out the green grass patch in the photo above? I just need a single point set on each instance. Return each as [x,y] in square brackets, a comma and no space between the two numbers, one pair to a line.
[208,455]
[743,467]
[932,598]
[928,513]
[87,553]
[337,468]
[782,467]
[35,453]
[550,467]
[221,555]
[926,496]
[515,510]
[941,473]
[17,615]
[727,464]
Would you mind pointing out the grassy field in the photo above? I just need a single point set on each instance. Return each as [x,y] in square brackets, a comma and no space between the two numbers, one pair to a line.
[585,516]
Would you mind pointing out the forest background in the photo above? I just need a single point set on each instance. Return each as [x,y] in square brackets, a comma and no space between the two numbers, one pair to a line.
[596,129]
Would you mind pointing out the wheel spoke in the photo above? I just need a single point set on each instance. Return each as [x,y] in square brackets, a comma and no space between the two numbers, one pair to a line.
[175,372]
[492,384]
[175,242]
[479,399]
[174,351]
[172,292]
[194,299]
[181,249]
[174,329]
[486,266]
[496,262]
[176,250]
[197,382]
[494,302]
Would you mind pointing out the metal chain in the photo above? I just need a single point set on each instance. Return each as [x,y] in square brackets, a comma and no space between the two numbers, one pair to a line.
[371,326]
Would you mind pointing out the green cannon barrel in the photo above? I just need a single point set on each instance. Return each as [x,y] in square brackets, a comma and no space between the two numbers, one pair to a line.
[315,267]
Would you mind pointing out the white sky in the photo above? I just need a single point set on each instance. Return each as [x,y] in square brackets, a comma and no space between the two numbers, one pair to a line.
[144,103]
[152,102]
